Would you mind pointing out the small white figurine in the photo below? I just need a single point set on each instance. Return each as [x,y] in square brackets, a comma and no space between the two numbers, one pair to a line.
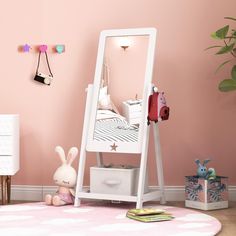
[65,178]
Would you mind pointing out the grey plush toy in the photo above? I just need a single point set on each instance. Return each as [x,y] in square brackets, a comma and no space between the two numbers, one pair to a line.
[202,171]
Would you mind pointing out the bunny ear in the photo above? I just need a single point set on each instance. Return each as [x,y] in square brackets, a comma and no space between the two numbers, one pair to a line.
[206,161]
[71,155]
[197,162]
[61,153]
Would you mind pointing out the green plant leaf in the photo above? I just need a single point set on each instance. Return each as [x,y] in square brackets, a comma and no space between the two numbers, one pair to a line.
[213,35]
[233,72]
[230,18]
[216,46]
[221,65]
[220,33]
[226,49]
[227,85]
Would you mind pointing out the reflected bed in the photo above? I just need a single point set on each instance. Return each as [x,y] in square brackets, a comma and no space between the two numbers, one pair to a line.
[113,127]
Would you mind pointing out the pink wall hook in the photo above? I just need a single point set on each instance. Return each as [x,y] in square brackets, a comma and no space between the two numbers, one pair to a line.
[43,48]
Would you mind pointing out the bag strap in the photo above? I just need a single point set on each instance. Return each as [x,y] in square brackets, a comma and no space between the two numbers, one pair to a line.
[47,63]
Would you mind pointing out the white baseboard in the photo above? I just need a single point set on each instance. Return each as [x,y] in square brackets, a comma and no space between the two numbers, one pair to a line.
[37,193]
[31,192]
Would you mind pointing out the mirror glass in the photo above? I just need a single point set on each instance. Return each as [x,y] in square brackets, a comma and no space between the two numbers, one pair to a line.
[119,106]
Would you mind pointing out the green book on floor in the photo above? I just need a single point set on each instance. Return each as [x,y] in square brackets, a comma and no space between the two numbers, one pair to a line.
[149,215]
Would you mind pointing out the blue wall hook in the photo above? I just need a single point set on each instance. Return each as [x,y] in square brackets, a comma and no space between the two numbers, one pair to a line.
[60,48]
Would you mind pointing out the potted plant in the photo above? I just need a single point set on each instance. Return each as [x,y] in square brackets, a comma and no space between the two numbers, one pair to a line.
[227,36]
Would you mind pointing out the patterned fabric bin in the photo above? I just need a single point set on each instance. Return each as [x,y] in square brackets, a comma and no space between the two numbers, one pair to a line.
[206,194]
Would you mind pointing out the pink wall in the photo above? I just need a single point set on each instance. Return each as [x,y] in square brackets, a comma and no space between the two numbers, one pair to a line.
[202,119]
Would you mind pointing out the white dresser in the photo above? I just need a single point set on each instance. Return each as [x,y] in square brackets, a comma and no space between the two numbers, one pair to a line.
[132,111]
[9,152]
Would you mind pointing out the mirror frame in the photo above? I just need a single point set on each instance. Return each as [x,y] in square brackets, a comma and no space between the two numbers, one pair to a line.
[122,147]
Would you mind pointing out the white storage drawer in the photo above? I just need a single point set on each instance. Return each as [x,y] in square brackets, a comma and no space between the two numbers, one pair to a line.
[6,145]
[115,181]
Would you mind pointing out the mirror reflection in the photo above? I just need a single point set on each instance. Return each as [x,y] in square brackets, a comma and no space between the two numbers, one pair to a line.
[119,106]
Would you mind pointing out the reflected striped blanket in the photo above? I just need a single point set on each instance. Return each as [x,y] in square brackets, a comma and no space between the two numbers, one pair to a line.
[116,130]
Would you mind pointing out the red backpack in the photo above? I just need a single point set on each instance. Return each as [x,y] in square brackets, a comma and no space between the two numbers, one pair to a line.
[157,109]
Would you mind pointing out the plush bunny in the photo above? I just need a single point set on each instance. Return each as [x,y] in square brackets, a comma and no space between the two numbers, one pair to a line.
[65,178]
[202,171]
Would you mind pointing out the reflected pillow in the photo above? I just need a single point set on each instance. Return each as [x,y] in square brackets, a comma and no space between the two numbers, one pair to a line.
[104,101]
[102,93]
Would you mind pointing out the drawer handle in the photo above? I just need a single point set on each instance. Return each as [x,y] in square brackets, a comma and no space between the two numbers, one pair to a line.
[112,182]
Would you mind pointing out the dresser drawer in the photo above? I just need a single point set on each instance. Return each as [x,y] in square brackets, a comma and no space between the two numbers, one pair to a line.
[6,145]
[135,107]
[8,124]
[6,165]
[132,112]
[134,115]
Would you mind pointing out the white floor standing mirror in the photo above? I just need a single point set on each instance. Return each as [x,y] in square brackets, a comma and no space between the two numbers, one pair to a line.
[116,111]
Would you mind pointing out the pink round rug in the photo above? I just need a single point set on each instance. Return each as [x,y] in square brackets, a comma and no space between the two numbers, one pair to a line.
[102,219]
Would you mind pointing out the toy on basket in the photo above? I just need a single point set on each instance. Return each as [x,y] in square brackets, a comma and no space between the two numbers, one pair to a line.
[206,191]
[202,171]
[157,108]
[65,178]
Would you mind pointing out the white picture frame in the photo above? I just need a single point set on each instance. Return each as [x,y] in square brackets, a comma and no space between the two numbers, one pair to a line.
[122,147]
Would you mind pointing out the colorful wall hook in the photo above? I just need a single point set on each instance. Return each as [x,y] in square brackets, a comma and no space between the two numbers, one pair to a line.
[43,48]
[26,48]
[60,48]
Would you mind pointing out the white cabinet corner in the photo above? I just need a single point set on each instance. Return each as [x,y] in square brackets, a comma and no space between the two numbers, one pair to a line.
[9,144]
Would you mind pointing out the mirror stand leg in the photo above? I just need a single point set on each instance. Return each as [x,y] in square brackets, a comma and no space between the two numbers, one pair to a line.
[80,176]
[77,202]
[159,165]
[99,159]
[142,171]
[82,160]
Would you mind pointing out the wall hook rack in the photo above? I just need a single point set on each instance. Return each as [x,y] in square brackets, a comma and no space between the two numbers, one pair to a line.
[58,48]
